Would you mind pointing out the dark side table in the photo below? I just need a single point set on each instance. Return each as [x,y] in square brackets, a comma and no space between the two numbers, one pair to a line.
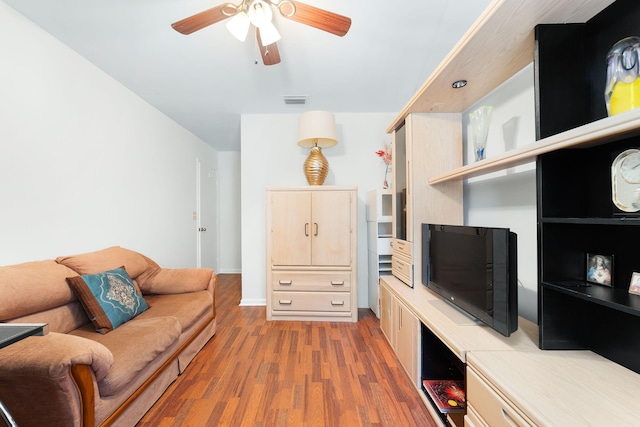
[14,332]
[11,333]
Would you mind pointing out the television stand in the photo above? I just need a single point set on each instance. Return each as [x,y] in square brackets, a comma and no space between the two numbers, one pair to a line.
[532,386]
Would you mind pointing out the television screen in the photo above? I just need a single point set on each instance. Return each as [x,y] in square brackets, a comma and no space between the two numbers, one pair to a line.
[474,268]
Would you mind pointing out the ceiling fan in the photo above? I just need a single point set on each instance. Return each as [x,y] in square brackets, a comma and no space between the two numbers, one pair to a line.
[259,13]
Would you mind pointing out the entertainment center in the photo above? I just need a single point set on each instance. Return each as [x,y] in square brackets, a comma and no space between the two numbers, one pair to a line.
[577,366]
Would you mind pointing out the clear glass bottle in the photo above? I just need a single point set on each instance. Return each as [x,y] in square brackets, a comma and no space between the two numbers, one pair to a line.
[622,91]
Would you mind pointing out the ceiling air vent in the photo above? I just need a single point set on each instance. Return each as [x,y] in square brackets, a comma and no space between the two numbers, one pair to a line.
[295,100]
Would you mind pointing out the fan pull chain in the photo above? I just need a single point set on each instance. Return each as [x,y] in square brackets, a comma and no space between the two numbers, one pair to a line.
[256,47]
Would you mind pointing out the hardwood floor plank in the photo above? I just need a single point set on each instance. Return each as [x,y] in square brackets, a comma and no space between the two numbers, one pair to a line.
[256,373]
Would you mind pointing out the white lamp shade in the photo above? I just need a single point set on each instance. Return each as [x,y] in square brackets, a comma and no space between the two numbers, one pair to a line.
[260,13]
[317,128]
[239,26]
[268,34]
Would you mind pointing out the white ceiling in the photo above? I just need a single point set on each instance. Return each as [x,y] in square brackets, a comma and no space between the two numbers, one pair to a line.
[206,80]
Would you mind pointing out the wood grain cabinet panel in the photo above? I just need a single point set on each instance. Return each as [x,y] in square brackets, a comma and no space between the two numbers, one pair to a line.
[489,406]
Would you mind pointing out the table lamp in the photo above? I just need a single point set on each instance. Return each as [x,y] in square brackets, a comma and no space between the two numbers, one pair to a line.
[316,129]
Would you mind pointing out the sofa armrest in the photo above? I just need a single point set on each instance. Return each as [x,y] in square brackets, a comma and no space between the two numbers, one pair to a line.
[36,384]
[177,281]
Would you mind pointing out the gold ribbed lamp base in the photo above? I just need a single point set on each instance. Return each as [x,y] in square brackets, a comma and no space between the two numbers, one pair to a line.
[316,167]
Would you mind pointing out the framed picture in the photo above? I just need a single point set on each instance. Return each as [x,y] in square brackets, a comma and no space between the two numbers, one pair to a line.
[600,269]
[634,286]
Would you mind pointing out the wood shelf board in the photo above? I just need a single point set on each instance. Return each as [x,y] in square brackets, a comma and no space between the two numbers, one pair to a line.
[498,45]
[594,133]
[590,396]
[460,339]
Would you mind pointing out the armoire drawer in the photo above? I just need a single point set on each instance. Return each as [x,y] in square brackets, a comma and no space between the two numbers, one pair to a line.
[324,281]
[490,406]
[311,301]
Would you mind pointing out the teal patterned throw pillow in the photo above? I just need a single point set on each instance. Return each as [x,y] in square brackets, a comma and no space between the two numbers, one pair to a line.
[110,298]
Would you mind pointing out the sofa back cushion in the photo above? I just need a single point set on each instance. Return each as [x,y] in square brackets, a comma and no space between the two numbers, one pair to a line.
[34,287]
[63,319]
[136,264]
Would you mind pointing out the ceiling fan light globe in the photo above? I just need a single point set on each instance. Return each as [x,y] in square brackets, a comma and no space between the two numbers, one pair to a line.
[269,34]
[238,26]
[260,13]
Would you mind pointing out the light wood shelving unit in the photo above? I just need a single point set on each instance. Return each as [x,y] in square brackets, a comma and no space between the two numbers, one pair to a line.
[512,380]
[379,233]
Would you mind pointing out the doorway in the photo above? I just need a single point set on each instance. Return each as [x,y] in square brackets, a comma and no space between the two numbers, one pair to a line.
[207,216]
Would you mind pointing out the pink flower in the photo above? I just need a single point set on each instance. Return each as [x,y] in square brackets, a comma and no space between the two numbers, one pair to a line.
[385,154]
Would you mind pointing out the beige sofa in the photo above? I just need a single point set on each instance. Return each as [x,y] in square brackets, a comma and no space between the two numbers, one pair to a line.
[75,376]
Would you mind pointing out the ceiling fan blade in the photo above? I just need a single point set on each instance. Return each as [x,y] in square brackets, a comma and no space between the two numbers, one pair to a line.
[270,54]
[200,20]
[315,17]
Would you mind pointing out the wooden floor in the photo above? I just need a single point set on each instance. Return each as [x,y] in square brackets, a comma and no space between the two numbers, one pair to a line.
[289,373]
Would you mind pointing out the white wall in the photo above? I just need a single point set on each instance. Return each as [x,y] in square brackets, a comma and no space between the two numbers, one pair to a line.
[229,212]
[508,198]
[270,157]
[84,162]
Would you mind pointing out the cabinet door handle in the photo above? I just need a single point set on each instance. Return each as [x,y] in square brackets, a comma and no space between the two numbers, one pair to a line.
[285,301]
[306,229]
[315,225]
[285,282]
[508,418]
[337,283]
[337,302]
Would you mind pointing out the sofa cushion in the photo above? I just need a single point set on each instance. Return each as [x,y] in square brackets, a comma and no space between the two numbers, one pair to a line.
[33,286]
[187,308]
[135,263]
[134,345]
[109,298]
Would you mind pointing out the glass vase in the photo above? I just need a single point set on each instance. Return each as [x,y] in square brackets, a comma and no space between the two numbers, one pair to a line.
[480,121]
[622,90]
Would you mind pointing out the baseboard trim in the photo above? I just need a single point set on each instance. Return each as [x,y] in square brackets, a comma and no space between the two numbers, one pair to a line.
[253,302]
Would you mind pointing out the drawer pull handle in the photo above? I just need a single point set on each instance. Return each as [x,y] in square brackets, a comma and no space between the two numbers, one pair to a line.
[285,301]
[285,282]
[508,418]
[337,283]
[337,302]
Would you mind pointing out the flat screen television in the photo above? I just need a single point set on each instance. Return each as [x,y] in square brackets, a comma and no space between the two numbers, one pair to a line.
[474,268]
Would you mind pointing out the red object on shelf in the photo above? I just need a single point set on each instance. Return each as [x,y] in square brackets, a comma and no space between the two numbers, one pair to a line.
[448,395]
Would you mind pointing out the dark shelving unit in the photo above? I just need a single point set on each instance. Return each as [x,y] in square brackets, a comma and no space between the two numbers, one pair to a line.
[575,213]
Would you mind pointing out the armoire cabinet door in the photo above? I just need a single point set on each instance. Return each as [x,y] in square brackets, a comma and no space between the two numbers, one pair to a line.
[291,227]
[331,228]
[311,228]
